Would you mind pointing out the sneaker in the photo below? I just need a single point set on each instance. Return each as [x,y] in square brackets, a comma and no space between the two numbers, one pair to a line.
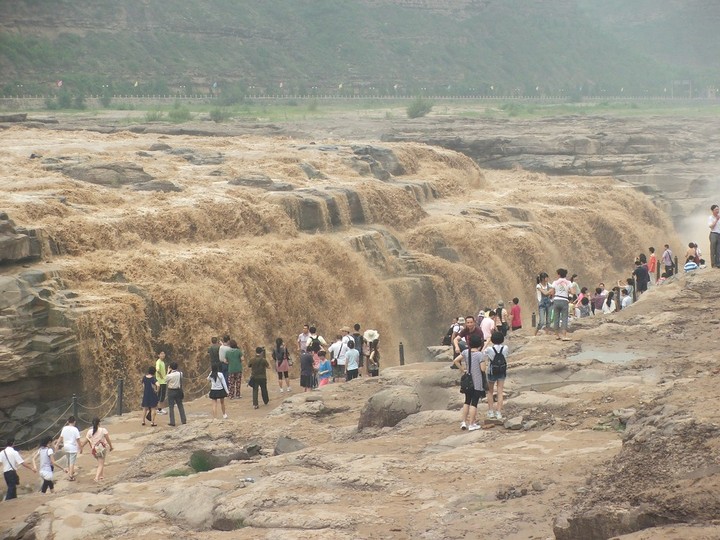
[490,415]
[282,390]
[161,411]
[288,389]
[473,427]
[498,416]
[463,425]
[225,416]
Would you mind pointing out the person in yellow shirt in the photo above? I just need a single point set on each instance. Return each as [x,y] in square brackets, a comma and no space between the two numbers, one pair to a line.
[160,375]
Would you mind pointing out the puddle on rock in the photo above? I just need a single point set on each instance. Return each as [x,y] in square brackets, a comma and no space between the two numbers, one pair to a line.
[606,357]
[548,386]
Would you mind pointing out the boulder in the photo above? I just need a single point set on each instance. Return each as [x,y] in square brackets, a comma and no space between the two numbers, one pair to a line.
[164,186]
[16,243]
[607,522]
[257,180]
[388,407]
[16,117]
[159,147]
[287,445]
[108,174]
[385,157]
[514,423]
[311,172]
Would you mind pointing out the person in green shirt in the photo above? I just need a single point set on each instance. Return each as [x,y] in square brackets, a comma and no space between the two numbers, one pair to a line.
[160,374]
[258,367]
[234,358]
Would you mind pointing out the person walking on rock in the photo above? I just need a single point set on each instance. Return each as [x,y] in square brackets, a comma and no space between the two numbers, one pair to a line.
[71,445]
[47,464]
[214,351]
[234,358]
[222,354]
[560,289]
[258,369]
[218,389]
[282,364]
[11,460]
[160,374]
[307,361]
[496,371]
[714,224]
[175,393]
[544,296]
[303,339]
[352,362]
[99,440]
[469,361]
[667,260]
[150,396]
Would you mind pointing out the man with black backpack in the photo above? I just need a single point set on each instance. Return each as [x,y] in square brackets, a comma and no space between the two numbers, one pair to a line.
[496,371]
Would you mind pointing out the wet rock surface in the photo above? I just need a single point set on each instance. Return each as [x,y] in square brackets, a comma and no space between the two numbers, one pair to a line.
[17,244]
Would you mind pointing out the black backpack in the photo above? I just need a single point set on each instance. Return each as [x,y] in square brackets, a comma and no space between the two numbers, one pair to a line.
[498,364]
[447,338]
[314,342]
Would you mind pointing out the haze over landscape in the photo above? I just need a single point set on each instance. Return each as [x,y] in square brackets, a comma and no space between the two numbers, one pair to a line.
[176,171]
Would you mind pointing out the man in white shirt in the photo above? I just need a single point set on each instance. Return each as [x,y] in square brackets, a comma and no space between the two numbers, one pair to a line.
[71,445]
[338,350]
[714,224]
[11,460]
[224,348]
[303,339]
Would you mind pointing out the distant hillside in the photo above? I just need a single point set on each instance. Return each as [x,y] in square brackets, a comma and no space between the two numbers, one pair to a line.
[355,47]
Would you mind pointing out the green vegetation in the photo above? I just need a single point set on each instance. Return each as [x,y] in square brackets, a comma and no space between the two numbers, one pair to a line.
[219,115]
[154,115]
[419,107]
[201,461]
[179,114]
[235,49]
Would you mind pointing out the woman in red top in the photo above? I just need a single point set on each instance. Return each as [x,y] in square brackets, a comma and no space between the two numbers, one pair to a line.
[515,318]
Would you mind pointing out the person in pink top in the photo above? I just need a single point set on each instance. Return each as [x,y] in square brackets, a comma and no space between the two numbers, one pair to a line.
[515,317]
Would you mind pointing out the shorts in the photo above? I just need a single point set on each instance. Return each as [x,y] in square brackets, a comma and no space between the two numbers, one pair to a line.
[71,457]
[306,380]
[491,378]
[218,394]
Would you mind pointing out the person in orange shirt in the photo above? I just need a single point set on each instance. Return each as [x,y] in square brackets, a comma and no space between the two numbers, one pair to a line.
[652,264]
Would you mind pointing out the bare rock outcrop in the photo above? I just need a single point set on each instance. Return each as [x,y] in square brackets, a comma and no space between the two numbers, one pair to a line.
[388,407]
[108,174]
[17,244]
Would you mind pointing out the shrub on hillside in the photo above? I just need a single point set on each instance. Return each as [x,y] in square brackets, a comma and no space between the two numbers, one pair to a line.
[419,107]
[179,114]
[153,116]
[219,115]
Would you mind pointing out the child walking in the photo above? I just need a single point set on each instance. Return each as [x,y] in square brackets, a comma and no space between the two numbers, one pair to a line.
[47,464]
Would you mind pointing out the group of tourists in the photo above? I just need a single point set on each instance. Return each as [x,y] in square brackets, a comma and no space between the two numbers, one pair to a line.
[349,356]
[70,442]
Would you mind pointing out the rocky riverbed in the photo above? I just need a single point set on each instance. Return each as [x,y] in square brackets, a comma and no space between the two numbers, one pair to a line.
[119,241]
